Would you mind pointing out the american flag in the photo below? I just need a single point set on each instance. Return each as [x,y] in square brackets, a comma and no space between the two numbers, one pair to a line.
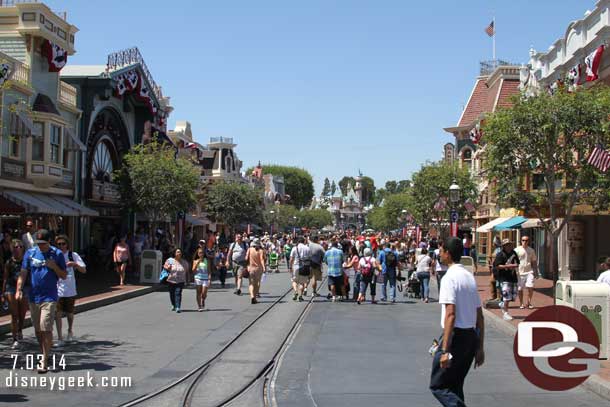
[491,30]
[599,158]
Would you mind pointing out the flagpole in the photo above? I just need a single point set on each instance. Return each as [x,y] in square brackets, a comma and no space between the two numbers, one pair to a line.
[493,38]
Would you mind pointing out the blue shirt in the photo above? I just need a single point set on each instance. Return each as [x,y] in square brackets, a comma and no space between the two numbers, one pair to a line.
[334,259]
[382,257]
[42,279]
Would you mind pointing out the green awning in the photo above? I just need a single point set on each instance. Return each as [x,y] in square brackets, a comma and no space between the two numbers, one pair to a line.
[512,223]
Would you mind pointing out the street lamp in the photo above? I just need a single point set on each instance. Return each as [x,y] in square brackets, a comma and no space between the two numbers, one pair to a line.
[454,193]
[454,197]
[342,221]
[294,227]
[272,212]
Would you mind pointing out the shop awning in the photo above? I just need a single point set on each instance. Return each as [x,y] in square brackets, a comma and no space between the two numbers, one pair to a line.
[194,220]
[49,204]
[532,223]
[489,225]
[512,223]
[73,136]
[8,207]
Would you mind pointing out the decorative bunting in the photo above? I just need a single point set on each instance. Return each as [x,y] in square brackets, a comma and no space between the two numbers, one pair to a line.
[440,204]
[469,206]
[121,86]
[599,158]
[132,79]
[476,134]
[574,77]
[5,73]
[56,56]
[592,63]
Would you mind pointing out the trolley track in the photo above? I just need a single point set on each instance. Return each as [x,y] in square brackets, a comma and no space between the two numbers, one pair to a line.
[192,380]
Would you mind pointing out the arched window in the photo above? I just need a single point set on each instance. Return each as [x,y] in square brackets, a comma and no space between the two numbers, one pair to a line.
[466,158]
[102,166]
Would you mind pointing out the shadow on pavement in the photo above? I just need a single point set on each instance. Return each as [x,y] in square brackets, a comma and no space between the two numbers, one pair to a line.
[13,398]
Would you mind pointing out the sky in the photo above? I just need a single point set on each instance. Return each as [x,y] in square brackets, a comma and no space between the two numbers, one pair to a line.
[332,86]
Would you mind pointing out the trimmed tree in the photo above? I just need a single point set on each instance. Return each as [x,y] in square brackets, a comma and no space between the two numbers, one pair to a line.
[233,203]
[432,183]
[549,138]
[152,181]
[326,188]
[297,181]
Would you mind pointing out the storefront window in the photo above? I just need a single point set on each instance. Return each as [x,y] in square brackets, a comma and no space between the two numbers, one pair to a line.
[38,143]
[55,141]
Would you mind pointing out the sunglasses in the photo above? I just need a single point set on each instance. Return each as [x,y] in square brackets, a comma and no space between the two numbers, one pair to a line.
[17,247]
[62,244]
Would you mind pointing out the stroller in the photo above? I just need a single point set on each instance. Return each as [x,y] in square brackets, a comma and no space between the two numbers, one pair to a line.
[273,262]
[413,287]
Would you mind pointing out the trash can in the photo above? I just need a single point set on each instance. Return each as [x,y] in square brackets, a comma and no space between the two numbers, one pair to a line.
[150,266]
[593,300]
[561,290]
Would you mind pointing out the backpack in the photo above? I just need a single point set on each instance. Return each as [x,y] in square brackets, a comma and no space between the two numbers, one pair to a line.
[304,264]
[390,260]
[367,269]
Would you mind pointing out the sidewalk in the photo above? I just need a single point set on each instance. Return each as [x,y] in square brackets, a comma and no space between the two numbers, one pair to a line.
[543,296]
[92,297]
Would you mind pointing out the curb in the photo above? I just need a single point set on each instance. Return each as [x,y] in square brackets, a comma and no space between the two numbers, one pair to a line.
[594,383]
[5,327]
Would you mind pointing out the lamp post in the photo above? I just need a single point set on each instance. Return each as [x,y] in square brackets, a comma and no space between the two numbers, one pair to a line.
[360,223]
[272,213]
[342,222]
[454,198]
[294,227]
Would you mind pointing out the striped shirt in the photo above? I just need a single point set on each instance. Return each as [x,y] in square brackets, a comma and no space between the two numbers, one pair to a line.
[334,260]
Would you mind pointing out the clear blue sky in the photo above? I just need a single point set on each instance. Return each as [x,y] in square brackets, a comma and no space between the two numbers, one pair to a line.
[328,85]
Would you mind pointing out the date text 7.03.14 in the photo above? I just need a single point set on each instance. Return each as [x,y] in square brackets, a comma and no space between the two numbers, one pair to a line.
[31,361]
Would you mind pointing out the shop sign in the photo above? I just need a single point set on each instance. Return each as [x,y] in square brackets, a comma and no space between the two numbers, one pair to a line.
[105,191]
[13,169]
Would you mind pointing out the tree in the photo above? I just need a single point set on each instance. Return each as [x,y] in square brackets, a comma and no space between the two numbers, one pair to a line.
[298,182]
[326,188]
[233,203]
[431,183]
[377,219]
[314,218]
[152,181]
[333,188]
[391,187]
[549,139]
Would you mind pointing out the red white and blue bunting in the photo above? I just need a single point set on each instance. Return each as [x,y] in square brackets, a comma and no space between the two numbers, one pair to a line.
[132,82]
[5,73]
[56,55]
[593,61]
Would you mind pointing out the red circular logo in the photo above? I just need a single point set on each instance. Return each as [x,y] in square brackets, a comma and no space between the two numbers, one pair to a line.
[557,348]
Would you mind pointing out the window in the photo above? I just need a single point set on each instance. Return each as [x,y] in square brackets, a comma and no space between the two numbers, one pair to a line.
[467,158]
[55,141]
[538,182]
[38,143]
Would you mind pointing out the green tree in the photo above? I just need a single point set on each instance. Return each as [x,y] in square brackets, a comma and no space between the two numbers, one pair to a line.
[391,187]
[432,183]
[175,182]
[549,138]
[233,203]
[298,182]
[314,218]
[333,188]
[377,219]
[390,216]
[326,188]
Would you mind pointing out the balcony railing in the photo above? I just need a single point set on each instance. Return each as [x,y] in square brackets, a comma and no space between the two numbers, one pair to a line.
[12,3]
[67,94]
[225,140]
[21,71]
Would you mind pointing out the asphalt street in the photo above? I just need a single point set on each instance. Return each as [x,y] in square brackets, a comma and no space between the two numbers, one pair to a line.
[342,354]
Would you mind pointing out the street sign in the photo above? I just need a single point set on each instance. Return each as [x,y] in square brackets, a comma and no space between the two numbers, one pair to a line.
[453,216]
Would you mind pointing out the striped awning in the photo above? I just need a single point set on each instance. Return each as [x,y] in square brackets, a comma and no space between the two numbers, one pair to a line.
[513,223]
[490,225]
[47,203]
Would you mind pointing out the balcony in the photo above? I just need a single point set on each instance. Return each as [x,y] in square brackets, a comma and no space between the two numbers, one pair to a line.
[67,94]
[45,174]
[20,76]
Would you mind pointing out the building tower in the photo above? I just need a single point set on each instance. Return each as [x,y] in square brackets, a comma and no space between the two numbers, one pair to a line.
[358,188]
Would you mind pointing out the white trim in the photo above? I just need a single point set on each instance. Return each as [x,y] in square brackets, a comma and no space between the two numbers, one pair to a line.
[495,105]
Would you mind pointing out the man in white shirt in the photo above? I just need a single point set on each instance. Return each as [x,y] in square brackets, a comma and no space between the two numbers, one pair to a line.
[300,267]
[528,271]
[463,328]
[66,288]
[605,276]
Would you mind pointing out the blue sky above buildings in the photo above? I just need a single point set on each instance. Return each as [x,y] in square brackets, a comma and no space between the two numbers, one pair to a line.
[331,86]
